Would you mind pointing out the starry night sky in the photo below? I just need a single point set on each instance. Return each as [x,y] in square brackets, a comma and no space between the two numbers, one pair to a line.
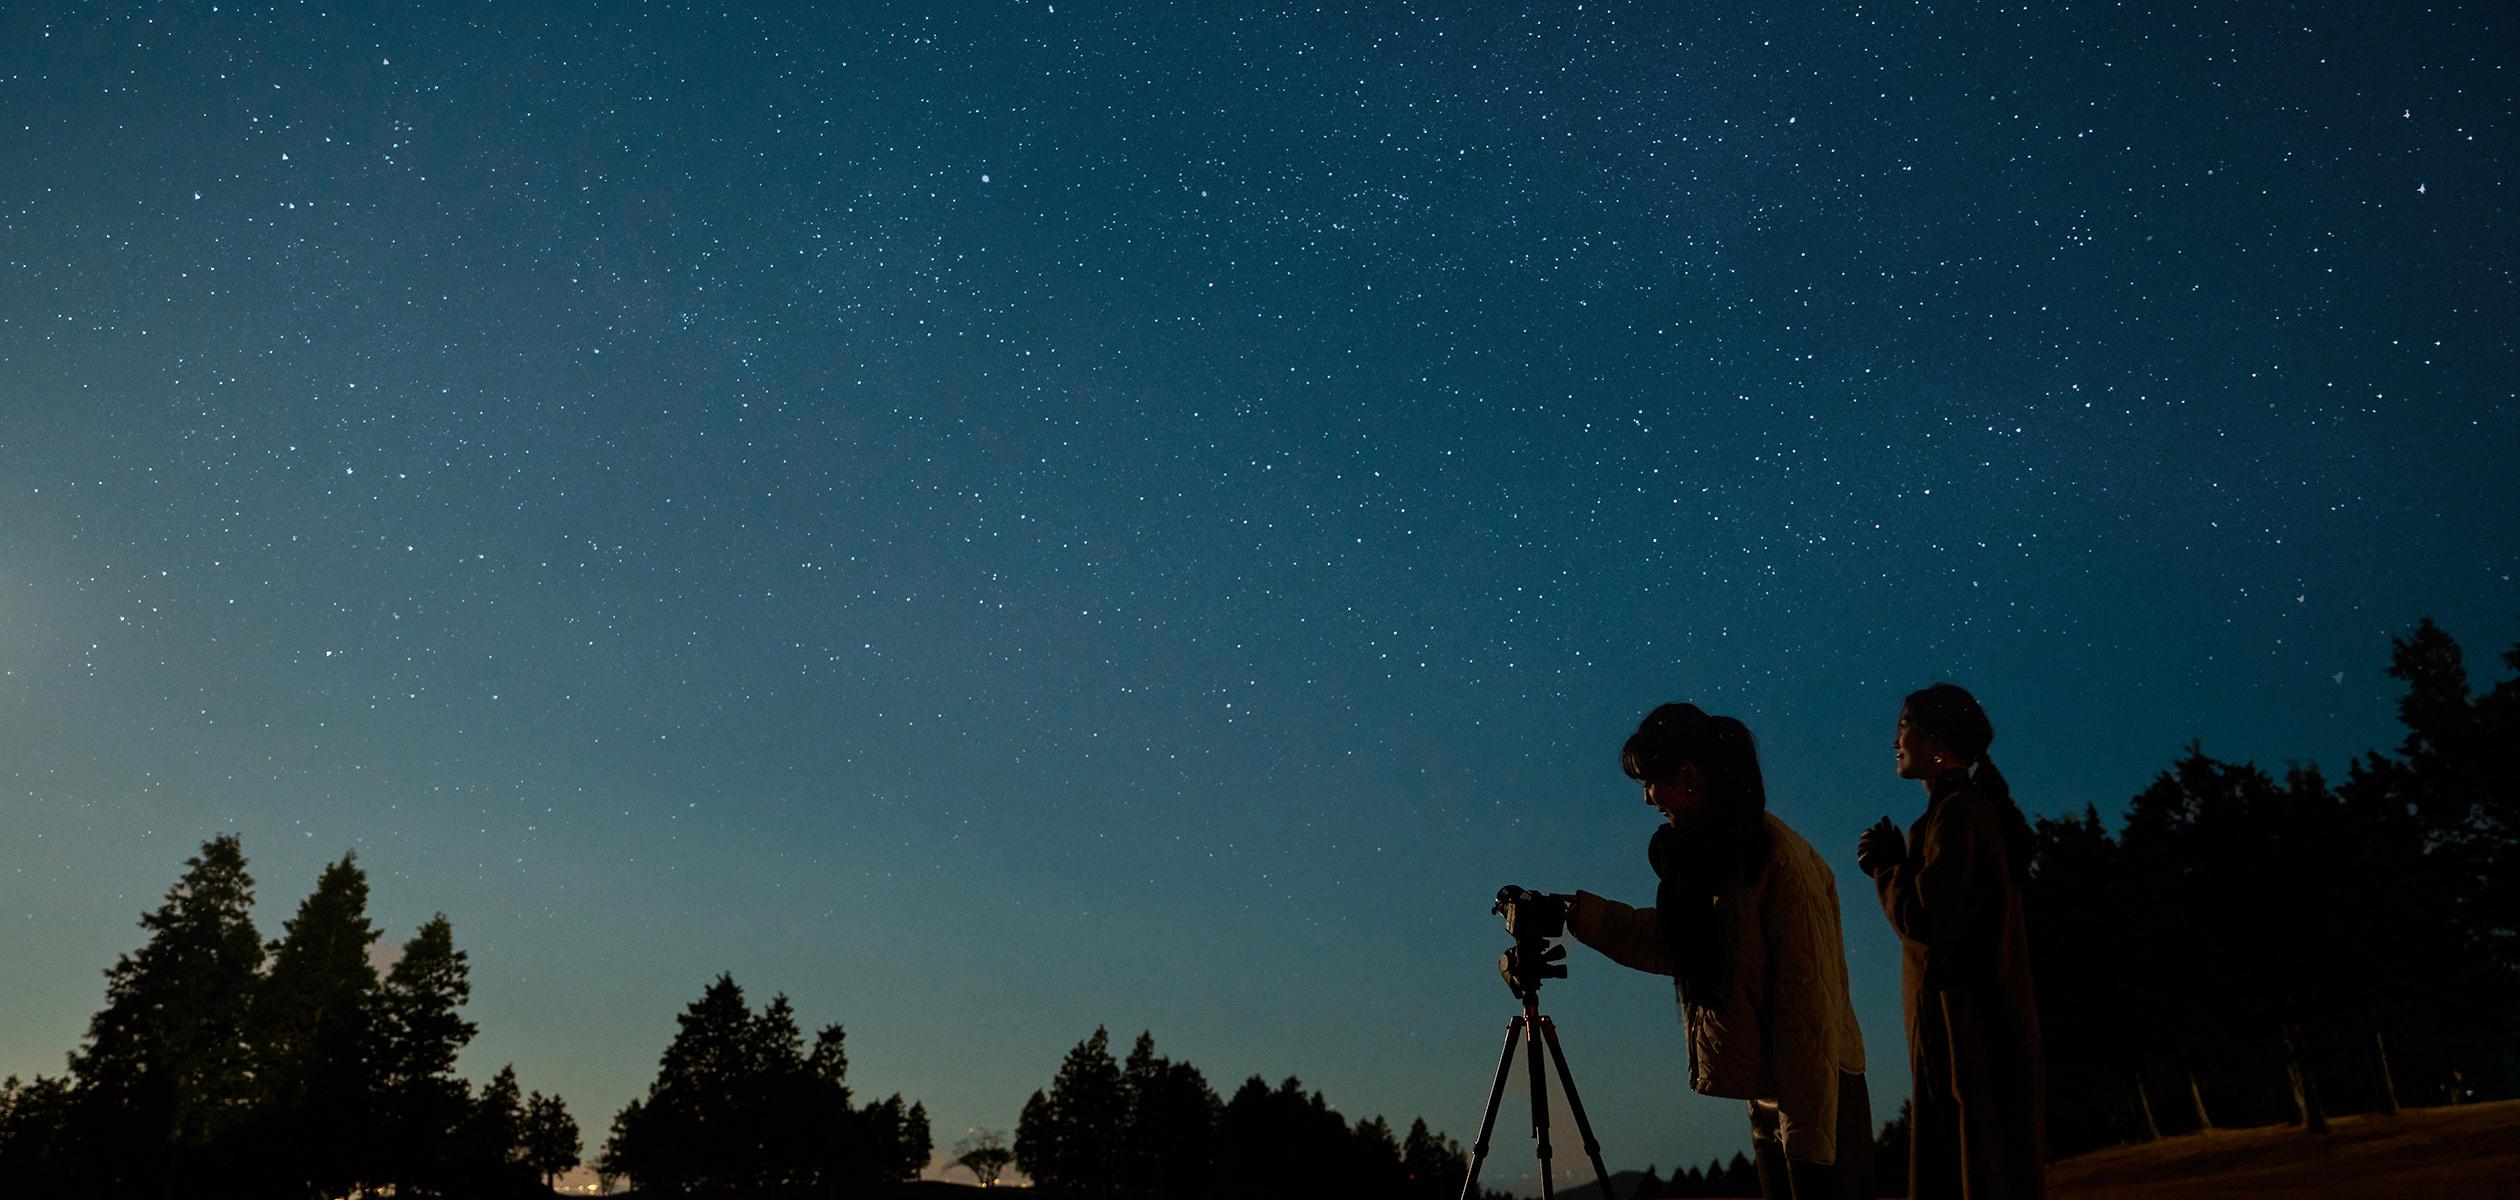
[998,518]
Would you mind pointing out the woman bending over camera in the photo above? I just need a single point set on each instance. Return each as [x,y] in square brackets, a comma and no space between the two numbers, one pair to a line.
[1745,920]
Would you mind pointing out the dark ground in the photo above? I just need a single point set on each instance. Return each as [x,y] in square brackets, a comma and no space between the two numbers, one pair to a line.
[2472,1150]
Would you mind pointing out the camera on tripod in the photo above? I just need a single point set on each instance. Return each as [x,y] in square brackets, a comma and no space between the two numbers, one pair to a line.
[1534,920]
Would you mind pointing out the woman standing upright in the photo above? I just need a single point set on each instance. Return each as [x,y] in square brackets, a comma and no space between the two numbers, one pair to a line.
[1952,889]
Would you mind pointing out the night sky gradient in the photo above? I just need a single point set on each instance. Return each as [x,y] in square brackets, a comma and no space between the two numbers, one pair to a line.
[998,518]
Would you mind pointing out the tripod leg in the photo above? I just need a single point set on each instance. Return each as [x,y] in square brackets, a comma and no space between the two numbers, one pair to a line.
[1496,1093]
[1539,1094]
[1566,1079]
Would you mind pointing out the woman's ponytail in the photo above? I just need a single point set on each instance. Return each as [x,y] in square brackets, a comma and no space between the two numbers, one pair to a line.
[2019,842]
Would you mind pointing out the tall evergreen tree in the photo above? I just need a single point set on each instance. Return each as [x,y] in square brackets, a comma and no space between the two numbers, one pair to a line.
[318,1043]
[1273,1142]
[786,1126]
[1037,1133]
[1170,1147]
[898,1141]
[551,1138]
[490,1145]
[687,1133]
[1436,1164]
[166,1077]
[738,1107]
[1069,1140]
[1740,1177]
[1374,1166]
[422,1102]
[822,1111]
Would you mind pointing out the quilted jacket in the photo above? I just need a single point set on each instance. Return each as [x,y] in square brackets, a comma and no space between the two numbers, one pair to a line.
[1783,1028]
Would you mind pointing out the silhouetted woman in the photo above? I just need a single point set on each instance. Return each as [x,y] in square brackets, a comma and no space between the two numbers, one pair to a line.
[1746,921]
[1952,888]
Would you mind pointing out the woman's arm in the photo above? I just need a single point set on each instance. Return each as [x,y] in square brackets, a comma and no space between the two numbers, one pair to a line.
[1626,936]
[1929,895]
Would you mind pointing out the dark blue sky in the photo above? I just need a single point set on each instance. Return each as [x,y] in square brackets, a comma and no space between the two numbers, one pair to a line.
[996,518]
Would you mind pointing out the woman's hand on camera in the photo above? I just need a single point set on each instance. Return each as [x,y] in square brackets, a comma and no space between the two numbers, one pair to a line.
[1881,848]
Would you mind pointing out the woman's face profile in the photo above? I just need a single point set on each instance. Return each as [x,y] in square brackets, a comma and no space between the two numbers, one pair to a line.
[1676,795]
[1916,753]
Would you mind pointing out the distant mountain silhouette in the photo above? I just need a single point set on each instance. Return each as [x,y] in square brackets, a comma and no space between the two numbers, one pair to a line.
[1622,1183]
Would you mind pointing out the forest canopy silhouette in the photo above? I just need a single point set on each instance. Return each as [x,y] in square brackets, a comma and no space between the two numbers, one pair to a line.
[2244,949]
[2250,949]
[224,1066]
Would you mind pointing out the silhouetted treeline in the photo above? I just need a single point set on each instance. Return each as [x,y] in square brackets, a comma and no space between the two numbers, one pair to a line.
[2250,949]
[1151,1127]
[1717,1178]
[740,1108]
[222,1066]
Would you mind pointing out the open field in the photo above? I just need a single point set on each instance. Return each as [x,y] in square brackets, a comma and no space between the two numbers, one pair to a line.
[2470,1150]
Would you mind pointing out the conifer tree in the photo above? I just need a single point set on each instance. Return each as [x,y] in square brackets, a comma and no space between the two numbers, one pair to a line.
[552,1144]
[422,1102]
[1740,1177]
[739,1107]
[1170,1145]
[1069,1139]
[1271,1141]
[1435,1163]
[1373,1166]
[490,1144]
[166,1074]
[687,1131]
[897,1139]
[317,1041]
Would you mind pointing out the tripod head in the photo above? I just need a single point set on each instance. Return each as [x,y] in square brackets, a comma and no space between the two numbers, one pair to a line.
[1535,920]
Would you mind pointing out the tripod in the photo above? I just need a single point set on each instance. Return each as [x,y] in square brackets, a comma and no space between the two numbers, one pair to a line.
[1529,1026]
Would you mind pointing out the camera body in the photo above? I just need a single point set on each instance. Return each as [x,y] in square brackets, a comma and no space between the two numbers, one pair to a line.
[1535,920]
[1530,916]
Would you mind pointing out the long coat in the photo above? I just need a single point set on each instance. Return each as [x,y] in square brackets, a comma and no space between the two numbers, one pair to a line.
[1972,1022]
